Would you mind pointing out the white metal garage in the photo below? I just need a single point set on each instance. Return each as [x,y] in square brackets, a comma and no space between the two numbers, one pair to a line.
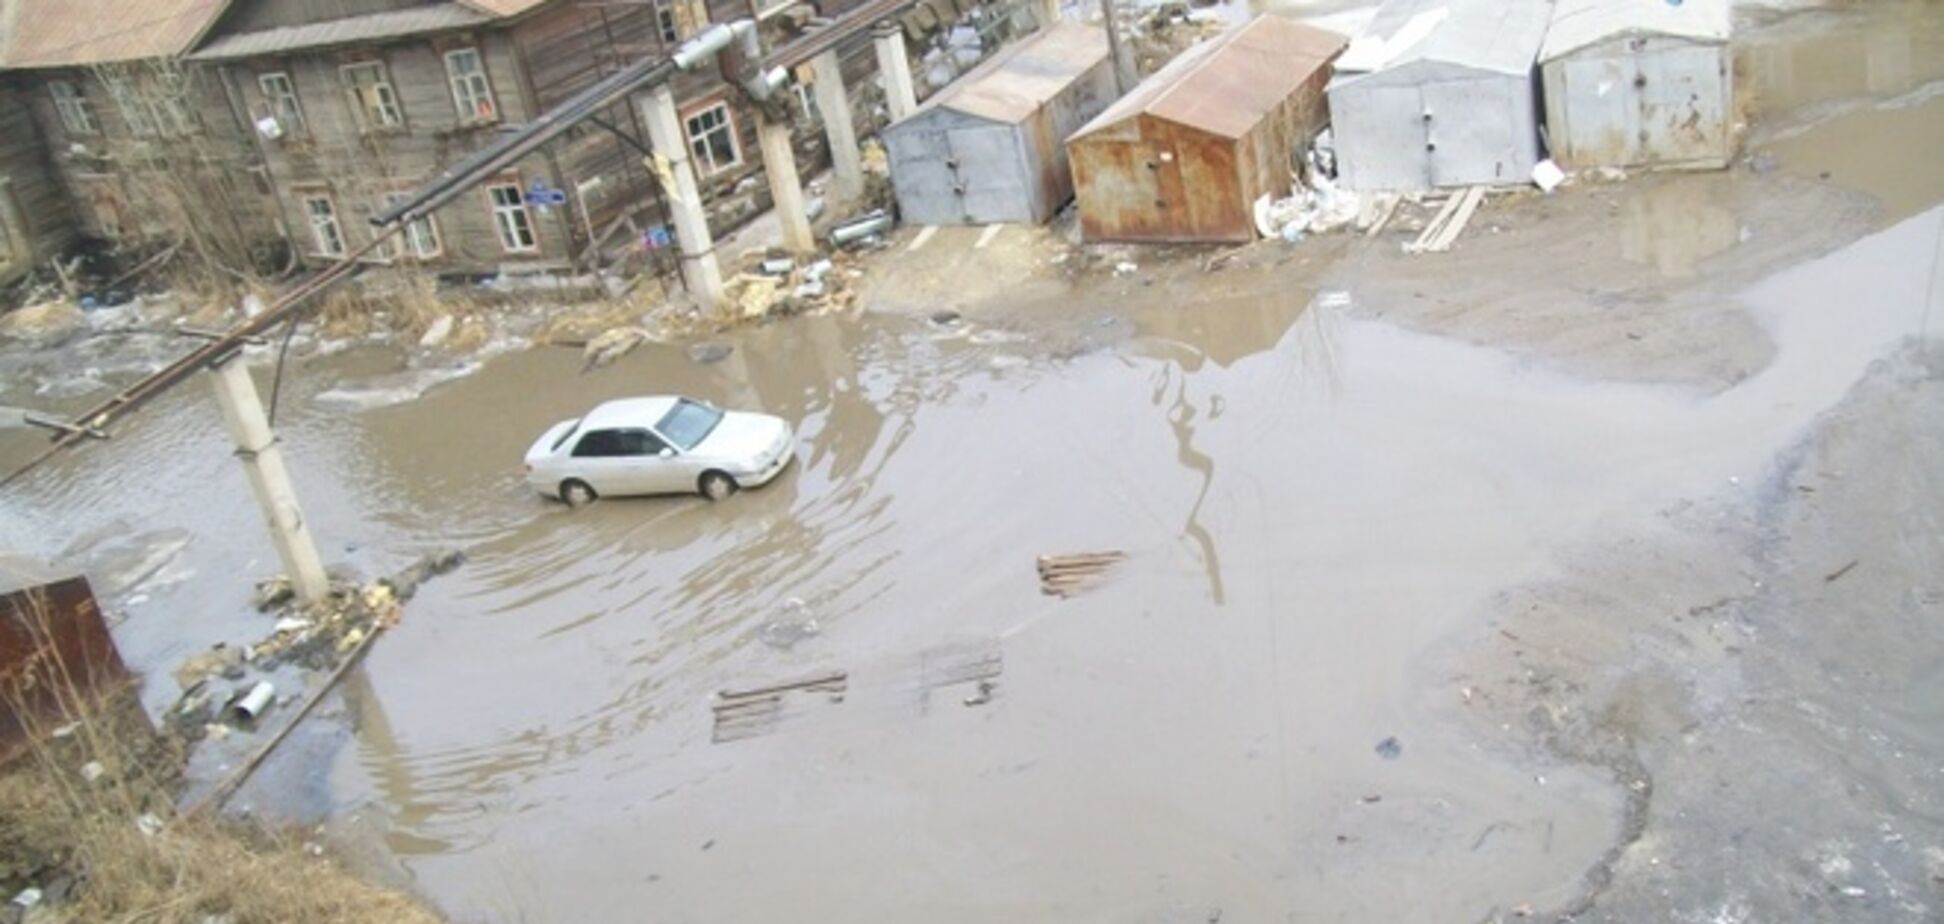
[1639,82]
[1440,93]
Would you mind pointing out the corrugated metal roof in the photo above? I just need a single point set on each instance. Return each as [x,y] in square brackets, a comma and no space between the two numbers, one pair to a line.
[350,30]
[1489,35]
[1579,23]
[78,33]
[1224,86]
[1017,81]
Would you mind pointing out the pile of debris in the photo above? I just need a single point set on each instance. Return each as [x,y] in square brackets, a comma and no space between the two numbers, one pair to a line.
[317,637]
[1165,30]
[775,284]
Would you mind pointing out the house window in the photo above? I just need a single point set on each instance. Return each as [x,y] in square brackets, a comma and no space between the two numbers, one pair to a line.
[511,218]
[676,20]
[712,137]
[471,92]
[282,96]
[134,110]
[671,32]
[77,114]
[326,235]
[806,96]
[372,98]
[422,235]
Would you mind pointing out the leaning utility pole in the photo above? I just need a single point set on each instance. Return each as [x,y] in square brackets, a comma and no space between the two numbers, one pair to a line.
[1123,67]
[263,462]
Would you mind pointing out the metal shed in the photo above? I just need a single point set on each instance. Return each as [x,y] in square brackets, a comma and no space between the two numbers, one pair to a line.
[987,148]
[1186,154]
[1440,93]
[1639,82]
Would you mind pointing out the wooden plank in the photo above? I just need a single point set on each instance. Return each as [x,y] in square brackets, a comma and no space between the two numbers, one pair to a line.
[1468,204]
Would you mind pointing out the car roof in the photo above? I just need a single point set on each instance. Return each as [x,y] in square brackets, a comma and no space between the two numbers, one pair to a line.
[629,412]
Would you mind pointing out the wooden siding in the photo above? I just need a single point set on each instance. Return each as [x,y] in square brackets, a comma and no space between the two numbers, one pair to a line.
[104,192]
[361,168]
[42,223]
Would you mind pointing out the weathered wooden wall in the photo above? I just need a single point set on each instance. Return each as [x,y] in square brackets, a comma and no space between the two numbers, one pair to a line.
[360,168]
[42,222]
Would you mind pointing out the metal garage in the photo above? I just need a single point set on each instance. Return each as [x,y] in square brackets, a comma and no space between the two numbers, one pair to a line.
[1639,82]
[1440,93]
[1186,154]
[988,148]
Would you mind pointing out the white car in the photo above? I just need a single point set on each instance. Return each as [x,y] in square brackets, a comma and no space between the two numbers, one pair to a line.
[658,445]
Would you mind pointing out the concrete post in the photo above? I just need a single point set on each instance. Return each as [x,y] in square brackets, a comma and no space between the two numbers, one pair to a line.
[786,188]
[895,68]
[699,269]
[840,128]
[1048,13]
[263,462]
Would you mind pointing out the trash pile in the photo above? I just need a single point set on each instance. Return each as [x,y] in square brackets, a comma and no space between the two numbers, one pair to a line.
[780,285]
[1320,208]
[228,687]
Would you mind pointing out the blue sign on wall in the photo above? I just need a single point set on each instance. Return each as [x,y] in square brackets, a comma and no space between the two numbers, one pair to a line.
[539,194]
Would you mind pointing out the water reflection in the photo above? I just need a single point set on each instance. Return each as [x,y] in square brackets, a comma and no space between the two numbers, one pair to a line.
[1674,223]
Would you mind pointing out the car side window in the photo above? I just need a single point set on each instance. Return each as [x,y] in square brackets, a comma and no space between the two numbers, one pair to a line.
[599,444]
[643,443]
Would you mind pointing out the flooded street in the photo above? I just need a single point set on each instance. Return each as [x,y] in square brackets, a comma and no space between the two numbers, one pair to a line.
[1327,477]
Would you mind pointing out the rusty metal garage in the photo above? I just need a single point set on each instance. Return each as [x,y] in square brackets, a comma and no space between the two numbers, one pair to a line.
[1185,155]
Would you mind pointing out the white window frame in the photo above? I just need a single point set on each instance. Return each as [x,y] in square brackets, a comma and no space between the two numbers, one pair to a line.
[666,25]
[284,104]
[699,148]
[512,221]
[319,223]
[806,96]
[422,238]
[71,103]
[382,112]
[135,113]
[471,88]
[678,20]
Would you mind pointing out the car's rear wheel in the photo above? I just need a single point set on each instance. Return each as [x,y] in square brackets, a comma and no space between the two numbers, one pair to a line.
[716,485]
[577,493]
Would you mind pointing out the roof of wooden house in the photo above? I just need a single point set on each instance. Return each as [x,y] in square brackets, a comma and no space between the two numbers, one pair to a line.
[81,33]
[351,30]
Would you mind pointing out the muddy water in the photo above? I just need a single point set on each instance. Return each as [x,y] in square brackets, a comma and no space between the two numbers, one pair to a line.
[1857,99]
[1310,501]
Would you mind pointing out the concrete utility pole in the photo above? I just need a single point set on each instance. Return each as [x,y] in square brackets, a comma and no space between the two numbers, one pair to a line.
[895,68]
[1124,76]
[786,188]
[263,462]
[840,127]
[699,269]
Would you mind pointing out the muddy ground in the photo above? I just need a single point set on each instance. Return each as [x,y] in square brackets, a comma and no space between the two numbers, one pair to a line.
[1585,572]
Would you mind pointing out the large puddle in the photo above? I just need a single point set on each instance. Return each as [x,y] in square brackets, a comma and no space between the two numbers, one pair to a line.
[1310,501]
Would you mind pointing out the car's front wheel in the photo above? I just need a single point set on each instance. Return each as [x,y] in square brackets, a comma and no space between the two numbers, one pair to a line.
[716,485]
[577,493]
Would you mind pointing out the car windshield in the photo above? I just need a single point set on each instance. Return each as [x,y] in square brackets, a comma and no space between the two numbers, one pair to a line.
[689,423]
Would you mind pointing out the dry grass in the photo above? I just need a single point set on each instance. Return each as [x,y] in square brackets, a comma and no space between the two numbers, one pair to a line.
[122,852]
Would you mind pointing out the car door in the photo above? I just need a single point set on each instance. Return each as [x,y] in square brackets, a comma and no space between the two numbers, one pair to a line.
[598,459]
[658,465]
